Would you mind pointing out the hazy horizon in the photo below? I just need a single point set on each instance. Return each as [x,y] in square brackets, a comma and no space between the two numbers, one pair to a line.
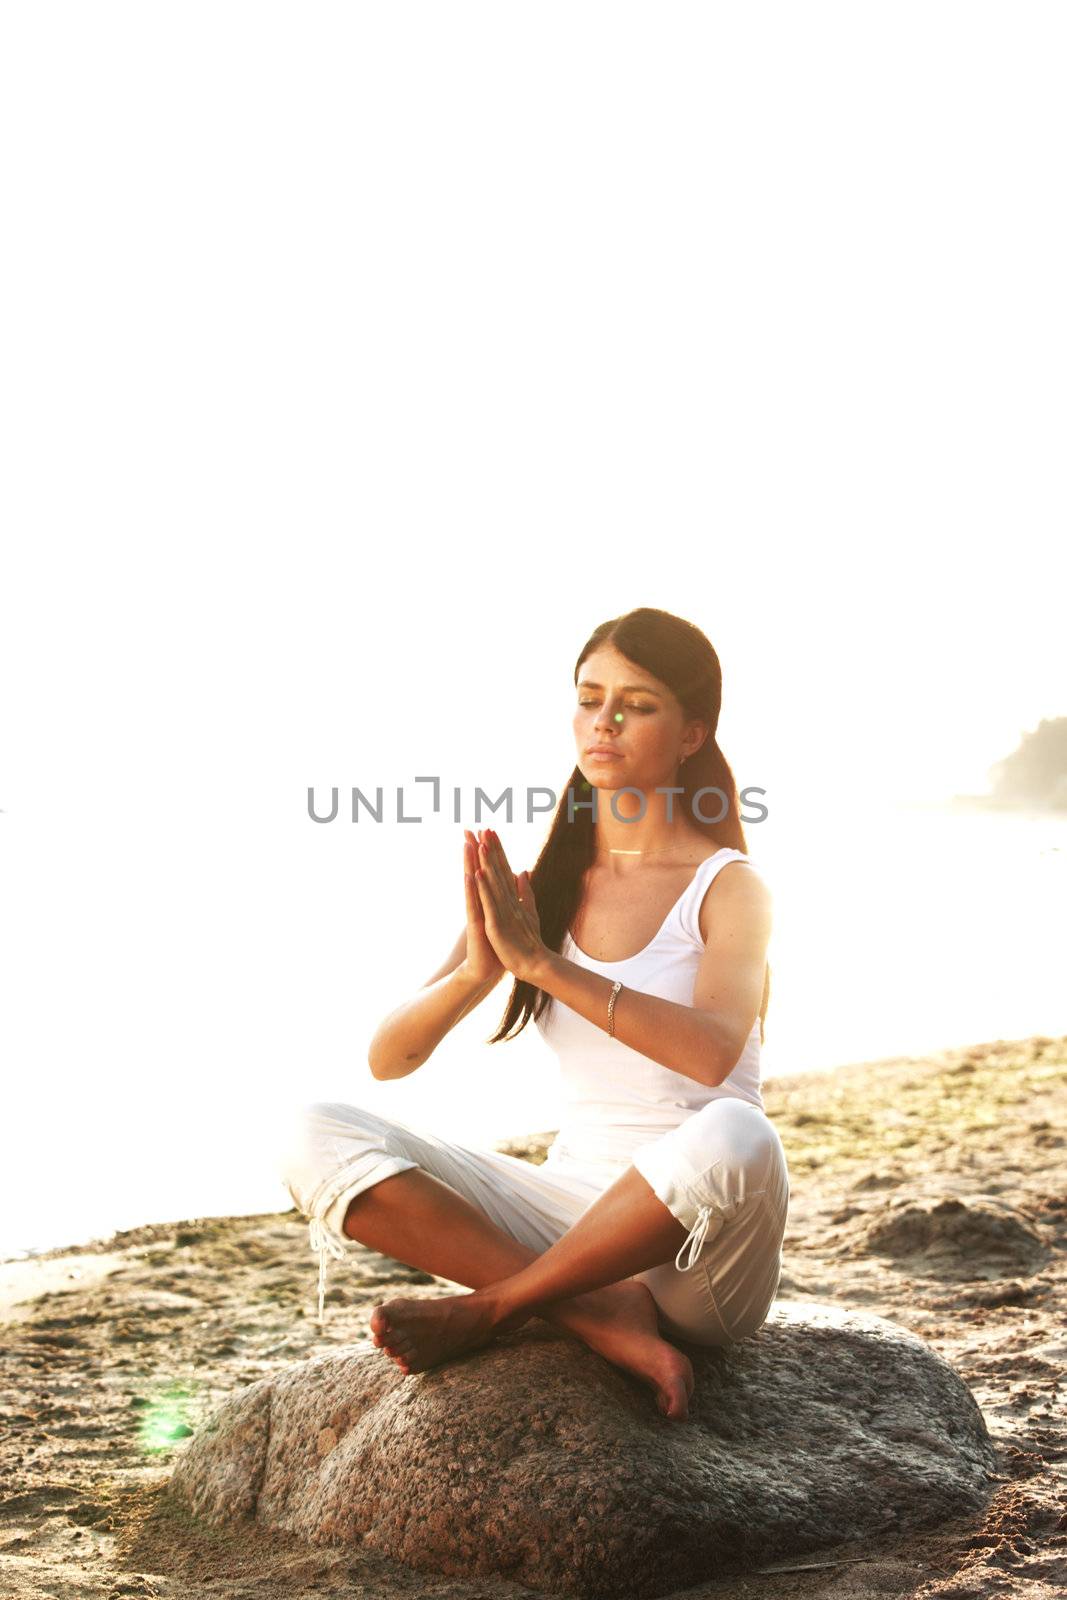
[348,389]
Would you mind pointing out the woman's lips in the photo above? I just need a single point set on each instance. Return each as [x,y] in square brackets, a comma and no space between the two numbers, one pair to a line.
[605,755]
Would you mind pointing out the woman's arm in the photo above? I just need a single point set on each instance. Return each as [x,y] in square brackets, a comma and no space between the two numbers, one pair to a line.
[703,1041]
[410,1034]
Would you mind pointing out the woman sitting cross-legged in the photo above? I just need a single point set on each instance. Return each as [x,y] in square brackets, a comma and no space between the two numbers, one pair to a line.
[659,1213]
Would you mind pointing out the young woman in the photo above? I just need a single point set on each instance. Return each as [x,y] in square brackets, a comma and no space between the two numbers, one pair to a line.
[638,944]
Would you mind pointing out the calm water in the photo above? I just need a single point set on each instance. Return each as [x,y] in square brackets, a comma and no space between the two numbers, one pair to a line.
[896,932]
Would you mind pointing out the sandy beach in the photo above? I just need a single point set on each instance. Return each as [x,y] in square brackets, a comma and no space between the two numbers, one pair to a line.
[929,1191]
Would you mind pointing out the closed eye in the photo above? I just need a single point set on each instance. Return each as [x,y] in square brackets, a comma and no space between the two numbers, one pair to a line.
[645,710]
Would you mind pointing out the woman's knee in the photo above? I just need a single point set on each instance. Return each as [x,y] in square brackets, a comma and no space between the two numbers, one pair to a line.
[740,1136]
[309,1120]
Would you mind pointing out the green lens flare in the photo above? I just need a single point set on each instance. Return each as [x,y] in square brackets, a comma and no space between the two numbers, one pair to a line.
[165,1420]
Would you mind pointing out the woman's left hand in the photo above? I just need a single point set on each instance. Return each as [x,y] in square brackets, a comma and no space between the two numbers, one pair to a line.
[512,924]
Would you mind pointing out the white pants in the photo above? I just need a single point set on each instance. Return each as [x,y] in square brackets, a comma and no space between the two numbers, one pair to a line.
[721,1172]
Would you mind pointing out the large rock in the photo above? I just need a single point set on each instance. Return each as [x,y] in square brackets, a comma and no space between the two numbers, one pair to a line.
[536,1459]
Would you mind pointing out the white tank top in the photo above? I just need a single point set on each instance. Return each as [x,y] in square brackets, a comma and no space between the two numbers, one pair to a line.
[614,1098]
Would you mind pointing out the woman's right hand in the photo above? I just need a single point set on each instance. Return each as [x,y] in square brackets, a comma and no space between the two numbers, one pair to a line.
[481,961]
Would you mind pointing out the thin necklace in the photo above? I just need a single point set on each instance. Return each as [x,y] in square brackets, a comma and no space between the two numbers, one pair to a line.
[644,852]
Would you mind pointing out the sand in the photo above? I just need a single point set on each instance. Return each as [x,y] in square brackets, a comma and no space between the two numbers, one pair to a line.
[114,1351]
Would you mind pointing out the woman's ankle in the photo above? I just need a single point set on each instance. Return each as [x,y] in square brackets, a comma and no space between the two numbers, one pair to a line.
[582,1311]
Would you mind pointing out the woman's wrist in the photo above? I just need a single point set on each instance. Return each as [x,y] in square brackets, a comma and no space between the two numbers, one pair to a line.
[541,969]
[467,982]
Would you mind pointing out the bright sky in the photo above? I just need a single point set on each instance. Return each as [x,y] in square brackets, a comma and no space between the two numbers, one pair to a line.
[358,362]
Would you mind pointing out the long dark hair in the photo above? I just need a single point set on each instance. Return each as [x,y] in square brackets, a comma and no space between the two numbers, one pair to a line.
[683,658]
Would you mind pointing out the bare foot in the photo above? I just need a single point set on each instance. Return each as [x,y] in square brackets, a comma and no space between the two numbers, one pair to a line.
[418,1334]
[618,1322]
[625,1329]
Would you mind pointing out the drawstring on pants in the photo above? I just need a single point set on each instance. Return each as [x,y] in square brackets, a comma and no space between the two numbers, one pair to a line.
[695,1238]
[324,1242]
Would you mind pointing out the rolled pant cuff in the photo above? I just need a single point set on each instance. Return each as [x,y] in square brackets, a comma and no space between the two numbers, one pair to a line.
[333,1208]
[314,1195]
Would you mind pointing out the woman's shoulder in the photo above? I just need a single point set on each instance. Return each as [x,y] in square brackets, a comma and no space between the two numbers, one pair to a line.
[714,863]
[736,887]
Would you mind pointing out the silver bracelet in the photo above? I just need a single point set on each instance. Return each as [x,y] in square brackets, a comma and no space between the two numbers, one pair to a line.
[616,986]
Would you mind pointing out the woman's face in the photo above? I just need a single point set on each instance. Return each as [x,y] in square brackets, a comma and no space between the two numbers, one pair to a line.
[622,707]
